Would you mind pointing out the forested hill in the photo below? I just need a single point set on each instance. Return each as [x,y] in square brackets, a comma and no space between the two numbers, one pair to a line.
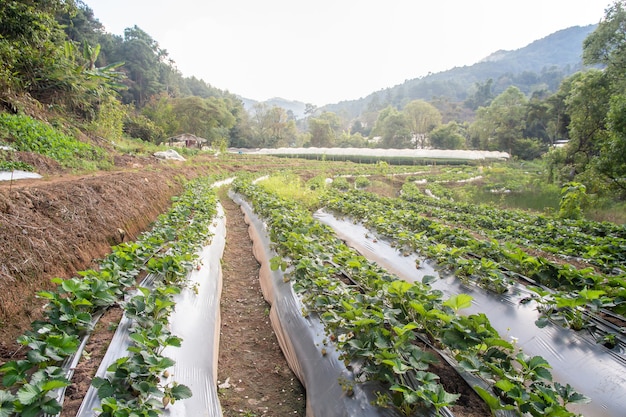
[539,66]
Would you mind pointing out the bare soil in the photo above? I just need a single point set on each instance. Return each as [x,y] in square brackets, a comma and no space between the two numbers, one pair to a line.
[259,379]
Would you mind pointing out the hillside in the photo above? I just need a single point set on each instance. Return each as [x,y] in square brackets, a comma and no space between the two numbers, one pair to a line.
[539,65]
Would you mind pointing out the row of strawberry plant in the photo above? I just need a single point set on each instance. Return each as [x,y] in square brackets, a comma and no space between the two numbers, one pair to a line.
[601,244]
[376,320]
[592,228]
[167,250]
[484,261]
[447,174]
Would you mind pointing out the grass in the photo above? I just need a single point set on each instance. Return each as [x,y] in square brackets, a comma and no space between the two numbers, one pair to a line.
[290,186]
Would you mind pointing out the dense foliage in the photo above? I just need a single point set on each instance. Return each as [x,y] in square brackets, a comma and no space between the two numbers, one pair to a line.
[55,56]
[27,134]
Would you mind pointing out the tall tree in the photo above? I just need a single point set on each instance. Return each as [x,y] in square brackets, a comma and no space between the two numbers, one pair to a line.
[324,130]
[481,96]
[143,60]
[208,118]
[587,106]
[611,160]
[421,118]
[273,126]
[607,45]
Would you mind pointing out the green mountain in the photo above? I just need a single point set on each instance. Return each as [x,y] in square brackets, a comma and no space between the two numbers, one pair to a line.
[539,66]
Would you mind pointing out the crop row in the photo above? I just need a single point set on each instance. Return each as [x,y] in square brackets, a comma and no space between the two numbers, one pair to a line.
[602,244]
[380,324]
[167,251]
[486,262]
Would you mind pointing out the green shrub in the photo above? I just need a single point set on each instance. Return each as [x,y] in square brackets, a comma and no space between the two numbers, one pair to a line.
[109,119]
[317,183]
[361,182]
[141,127]
[341,184]
[573,197]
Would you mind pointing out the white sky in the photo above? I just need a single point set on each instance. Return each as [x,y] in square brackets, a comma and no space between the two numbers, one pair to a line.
[326,51]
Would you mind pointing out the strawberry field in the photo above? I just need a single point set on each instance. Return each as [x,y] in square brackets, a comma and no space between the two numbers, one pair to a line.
[567,286]
[388,297]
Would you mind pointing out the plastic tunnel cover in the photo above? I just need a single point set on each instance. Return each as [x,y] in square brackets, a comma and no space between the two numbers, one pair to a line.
[301,339]
[196,320]
[587,366]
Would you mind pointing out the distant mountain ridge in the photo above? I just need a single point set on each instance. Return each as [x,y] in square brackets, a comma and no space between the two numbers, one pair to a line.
[296,107]
[541,64]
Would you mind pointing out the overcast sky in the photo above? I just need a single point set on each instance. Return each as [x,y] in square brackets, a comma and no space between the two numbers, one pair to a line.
[326,51]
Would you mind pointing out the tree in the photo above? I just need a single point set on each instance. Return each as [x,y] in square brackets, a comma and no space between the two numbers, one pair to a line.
[31,51]
[587,105]
[159,109]
[499,125]
[606,45]
[242,134]
[447,136]
[421,118]
[393,129]
[611,160]
[481,96]
[310,109]
[147,66]
[324,130]
[273,126]
[558,119]
[80,24]
[208,118]
[538,118]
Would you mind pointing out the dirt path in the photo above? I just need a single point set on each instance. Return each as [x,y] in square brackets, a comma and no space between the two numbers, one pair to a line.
[260,382]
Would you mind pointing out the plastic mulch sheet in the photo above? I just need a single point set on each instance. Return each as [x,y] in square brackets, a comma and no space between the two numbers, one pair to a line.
[575,357]
[196,320]
[301,340]
[17,175]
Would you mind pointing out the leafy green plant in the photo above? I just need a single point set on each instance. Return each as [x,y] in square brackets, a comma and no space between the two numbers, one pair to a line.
[569,308]
[485,261]
[15,166]
[341,184]
[361,182]
[27,134]
[573,197]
